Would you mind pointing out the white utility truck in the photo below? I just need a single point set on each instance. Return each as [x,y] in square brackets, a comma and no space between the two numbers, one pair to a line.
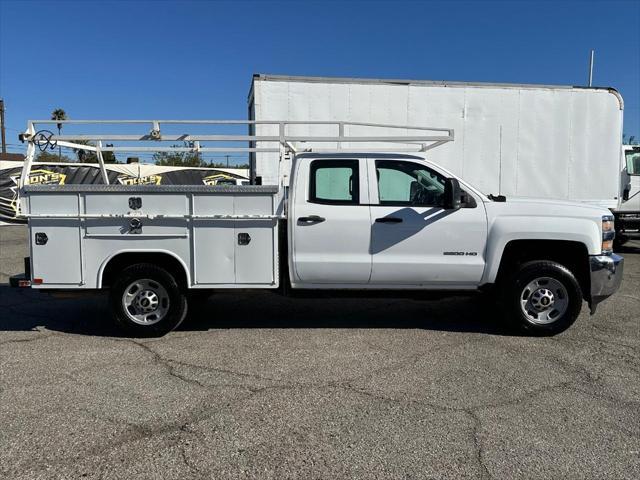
[374,221]
[546,141]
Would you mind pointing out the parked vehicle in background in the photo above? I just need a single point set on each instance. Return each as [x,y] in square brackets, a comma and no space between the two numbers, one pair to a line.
[355,222]
[546,141]
[628,215]
[233,181]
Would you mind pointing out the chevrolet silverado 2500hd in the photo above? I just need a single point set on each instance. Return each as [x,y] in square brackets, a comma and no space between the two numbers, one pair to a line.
[373,221]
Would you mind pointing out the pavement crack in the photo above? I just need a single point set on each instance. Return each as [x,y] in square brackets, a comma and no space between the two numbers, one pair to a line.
[609,398]
[528,395]
[135,433]
[181,444]
[166,364]
[484,470]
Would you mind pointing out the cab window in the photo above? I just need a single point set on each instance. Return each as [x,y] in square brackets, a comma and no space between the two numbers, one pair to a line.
[408,183]
[334,182]
[633,162]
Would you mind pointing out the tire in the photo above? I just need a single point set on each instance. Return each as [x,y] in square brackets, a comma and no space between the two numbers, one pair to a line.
[147,301]
[544,298]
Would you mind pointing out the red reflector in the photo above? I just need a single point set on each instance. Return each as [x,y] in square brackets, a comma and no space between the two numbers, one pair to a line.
[24,283]
[37,281]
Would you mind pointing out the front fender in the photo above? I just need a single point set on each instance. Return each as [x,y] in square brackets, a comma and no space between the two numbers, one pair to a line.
[509,228]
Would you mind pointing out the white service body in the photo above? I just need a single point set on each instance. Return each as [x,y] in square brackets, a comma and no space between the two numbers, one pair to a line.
[196,225]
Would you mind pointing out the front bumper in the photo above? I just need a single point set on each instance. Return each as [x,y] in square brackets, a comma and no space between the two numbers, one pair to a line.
[606,276]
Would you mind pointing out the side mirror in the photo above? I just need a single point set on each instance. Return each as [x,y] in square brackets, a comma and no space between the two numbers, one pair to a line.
[452,194]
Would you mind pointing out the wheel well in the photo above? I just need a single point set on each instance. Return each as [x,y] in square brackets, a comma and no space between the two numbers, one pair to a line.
[163,260]
[572,255]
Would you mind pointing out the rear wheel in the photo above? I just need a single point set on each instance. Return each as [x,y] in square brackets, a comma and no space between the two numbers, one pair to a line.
[544,298]
[147,301]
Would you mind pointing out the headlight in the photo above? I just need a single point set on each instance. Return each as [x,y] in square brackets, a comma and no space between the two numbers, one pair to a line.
[608,233]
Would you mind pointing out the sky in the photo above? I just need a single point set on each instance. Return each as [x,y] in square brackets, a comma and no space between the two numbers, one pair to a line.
[195,59]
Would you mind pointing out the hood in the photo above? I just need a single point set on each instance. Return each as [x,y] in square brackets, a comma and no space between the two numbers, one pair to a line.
[546,207]
[557,202]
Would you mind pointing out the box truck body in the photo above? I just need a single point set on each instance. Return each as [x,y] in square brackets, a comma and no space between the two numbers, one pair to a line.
[558,142]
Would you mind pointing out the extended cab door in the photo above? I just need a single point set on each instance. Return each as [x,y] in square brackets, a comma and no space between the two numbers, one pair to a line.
[414,241]
[330,222]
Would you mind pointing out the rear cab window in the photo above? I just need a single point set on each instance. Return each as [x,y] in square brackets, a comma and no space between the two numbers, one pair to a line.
[334,182]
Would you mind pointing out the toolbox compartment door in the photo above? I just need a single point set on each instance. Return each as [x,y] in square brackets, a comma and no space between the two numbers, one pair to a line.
[56,256]
[58,261]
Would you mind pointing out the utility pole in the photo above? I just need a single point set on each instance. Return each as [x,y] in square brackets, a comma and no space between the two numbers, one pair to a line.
[591,67]
[2,134]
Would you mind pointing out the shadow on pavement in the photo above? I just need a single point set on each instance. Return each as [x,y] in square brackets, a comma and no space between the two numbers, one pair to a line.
[26,310]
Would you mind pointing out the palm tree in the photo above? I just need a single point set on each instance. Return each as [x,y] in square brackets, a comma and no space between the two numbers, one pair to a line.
[59,114]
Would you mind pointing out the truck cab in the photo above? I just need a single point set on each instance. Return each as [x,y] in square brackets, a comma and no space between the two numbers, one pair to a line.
[394,228]
[628,214]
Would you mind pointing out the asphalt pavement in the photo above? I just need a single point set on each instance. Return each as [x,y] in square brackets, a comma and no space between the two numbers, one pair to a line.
[259,386]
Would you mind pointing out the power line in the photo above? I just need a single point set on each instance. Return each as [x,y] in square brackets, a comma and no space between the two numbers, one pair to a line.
[3,138]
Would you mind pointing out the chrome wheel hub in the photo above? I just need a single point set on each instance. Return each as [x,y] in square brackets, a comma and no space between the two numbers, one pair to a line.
[544,300]
[145,301]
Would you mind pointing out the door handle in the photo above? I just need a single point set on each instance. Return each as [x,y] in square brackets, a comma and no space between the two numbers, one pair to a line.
[311,219]
[389,220]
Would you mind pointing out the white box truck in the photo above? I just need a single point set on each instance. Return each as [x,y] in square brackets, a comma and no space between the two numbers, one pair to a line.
[547,141]
[361,221]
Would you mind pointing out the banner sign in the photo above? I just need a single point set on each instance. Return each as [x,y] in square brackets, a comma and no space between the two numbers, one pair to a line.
[89,173]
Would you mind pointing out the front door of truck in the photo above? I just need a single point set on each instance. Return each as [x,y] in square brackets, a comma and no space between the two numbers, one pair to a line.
[330,222]
[414,241]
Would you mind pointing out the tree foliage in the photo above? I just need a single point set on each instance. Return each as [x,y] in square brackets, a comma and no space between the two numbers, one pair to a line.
[224,165]
[48,157]
[86,156]
[59,114]
[178,159]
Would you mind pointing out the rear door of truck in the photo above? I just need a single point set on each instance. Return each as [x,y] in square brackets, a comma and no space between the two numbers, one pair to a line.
[330,221]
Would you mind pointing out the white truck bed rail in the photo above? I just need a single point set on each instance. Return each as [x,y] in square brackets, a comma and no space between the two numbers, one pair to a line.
[152,138]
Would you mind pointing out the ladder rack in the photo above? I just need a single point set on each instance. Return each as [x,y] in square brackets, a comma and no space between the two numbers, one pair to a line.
[152,138]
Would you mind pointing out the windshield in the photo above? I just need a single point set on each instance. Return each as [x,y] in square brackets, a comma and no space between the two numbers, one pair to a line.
[633,161]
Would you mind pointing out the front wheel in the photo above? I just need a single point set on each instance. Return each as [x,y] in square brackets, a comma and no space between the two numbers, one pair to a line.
[544,298]
[147,301]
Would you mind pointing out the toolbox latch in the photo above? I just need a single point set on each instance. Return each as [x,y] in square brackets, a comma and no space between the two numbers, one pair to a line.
[244,239]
